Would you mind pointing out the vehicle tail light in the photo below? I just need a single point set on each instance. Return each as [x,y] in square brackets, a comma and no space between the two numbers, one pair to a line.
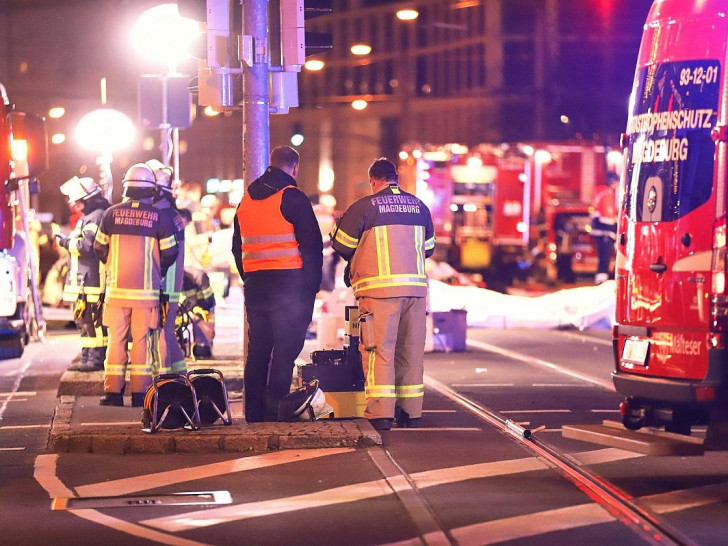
[704,394]
[719,300]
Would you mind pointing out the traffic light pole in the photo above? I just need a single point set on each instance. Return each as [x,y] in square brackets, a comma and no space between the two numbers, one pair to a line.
[256,122]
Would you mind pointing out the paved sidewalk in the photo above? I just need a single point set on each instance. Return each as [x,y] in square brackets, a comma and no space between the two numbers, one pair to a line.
[81,425]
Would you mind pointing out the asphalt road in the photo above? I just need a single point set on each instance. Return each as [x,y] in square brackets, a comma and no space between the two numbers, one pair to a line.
[456,480]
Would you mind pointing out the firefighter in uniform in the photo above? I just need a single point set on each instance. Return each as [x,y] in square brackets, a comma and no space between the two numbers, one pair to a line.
[84,283]
[138,246]
[167,354]
[604,226]
[278,252]
[198,299]
[385,238]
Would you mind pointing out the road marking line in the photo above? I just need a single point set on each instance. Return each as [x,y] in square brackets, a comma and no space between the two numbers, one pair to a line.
[237,512]
[482,385]
[356,492]
[559,385]
[587,339]
[44,472]
[604,411]
[19,427]
[675,501]
[502,530]
[543,363]
[125,486]
[439,411]
[443,476]
[437,429]
[536,411]
[19,393]
[11,399]
[12,449]
[606,455]
[111,423]
[414,504]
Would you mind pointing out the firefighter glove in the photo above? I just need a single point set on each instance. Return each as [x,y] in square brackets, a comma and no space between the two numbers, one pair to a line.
[62,240]
[163,309]
[347,274]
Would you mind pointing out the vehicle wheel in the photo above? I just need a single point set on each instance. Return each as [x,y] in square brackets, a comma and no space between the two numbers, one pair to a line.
[11,347]
[635,417]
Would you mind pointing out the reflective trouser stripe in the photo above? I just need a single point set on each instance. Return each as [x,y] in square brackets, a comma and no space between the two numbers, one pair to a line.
[140,321]
[168,356]
[393,371]
[410,391]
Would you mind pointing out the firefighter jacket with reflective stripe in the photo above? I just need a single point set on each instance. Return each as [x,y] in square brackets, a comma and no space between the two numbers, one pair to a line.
[295,209]
[386,238]
[196,289]
[138,245]
[268,239]
[84,267]
[604,214]
[172,281]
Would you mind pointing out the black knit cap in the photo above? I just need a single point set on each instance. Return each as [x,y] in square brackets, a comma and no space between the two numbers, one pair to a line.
[383,169]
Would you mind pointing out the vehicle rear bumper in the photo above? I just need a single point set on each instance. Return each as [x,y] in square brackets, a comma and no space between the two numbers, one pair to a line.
[679,391]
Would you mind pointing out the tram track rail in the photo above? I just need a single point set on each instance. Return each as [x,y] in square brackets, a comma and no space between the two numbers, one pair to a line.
[622,506]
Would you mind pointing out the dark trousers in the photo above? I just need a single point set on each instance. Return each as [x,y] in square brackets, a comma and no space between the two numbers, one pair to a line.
[605,246]
[277,321]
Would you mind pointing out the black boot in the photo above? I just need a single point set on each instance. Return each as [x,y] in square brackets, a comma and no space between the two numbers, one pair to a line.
[112,399]
[80,364]
[404,420]
[381,424]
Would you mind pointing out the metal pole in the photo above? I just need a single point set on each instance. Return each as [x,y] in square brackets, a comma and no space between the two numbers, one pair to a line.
[256,129]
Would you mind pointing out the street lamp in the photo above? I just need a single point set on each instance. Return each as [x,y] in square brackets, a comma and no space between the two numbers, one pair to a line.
[105,131]
[162,34]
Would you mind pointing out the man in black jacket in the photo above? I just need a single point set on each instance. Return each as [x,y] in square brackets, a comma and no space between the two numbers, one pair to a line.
[278,251]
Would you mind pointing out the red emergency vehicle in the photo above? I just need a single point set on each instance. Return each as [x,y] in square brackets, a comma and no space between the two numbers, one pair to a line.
[23,156]
[672,305]
[496,207]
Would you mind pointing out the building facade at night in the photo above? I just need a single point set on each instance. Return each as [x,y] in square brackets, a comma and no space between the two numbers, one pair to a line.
[466,71]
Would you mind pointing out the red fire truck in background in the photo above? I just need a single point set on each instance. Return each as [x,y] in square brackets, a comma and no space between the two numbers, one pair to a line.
[497,208]
[23,156]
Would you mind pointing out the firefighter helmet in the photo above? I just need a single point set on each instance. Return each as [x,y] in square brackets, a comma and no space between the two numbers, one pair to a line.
[305,404]
[163,174]
[79,189]
[139,181]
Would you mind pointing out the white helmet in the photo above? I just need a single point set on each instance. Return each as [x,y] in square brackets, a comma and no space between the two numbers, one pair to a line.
[139,182]
[162,173]
[139,175]
[79,189]
[305,404]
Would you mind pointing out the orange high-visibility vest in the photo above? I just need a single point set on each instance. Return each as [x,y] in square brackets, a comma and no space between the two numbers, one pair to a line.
[269,241]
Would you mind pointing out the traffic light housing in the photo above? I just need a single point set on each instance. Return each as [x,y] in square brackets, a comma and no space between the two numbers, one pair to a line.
[295,42]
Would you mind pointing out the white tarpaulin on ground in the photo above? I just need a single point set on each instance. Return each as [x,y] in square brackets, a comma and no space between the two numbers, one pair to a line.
[582,307]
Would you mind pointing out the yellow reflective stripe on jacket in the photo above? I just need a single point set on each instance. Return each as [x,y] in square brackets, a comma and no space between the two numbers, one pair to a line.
[131,294]
[149,262]
[167,242]
[430,243]
[382,281]
[380,391]
[73,247]
[383,265]
[346,239]
[102,238]
[419,235]
[410,391]
[90,227]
